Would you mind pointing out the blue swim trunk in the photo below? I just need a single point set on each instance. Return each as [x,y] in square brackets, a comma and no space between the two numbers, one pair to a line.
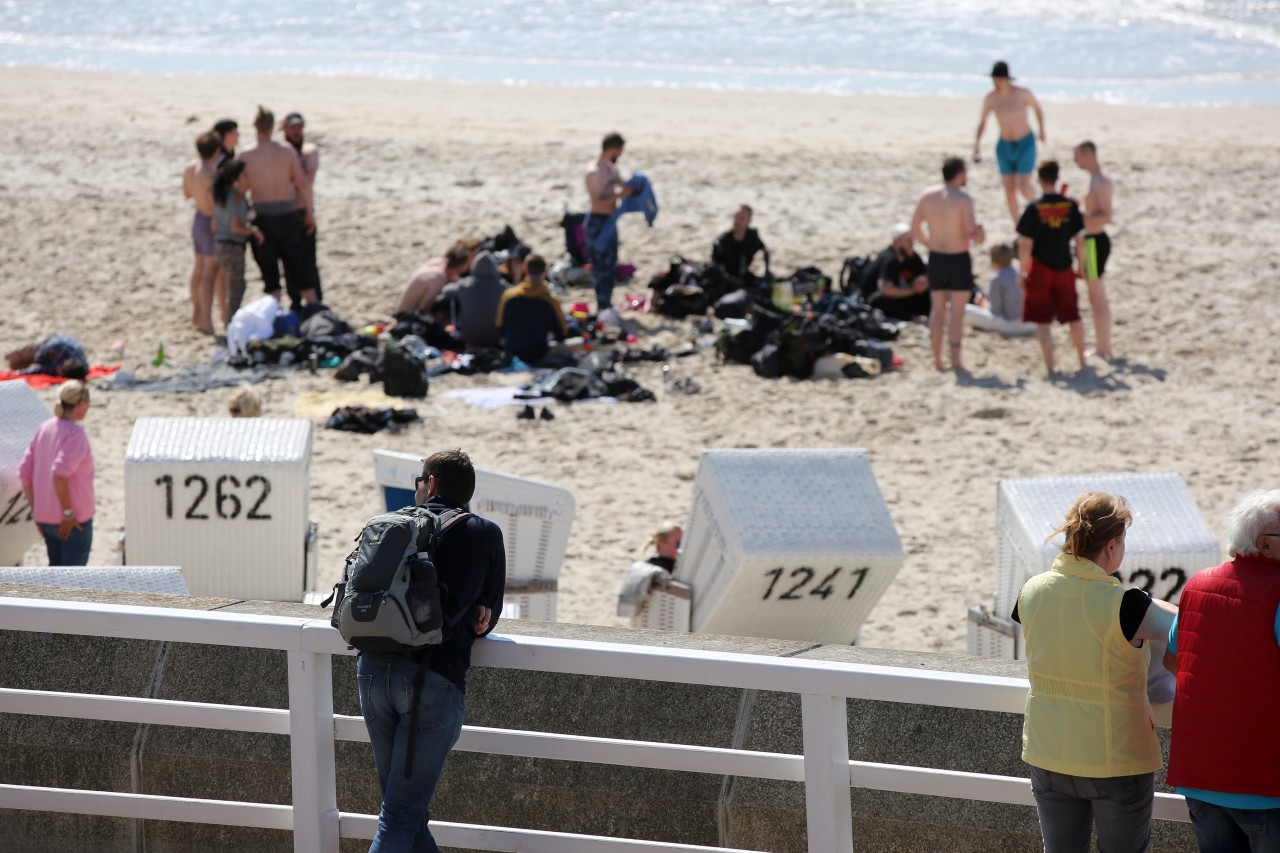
[1017,158]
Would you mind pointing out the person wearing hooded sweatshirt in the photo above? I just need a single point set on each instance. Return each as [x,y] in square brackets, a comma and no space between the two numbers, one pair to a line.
[528,313]
[475,299]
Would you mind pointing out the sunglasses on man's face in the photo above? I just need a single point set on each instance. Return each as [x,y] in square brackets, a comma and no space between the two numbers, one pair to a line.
[418,481]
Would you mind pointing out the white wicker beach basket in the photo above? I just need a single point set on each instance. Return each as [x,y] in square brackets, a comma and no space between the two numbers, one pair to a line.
[162,579]
[21,414]
[1167,543]
[787,544]
[226,499]
[535,517]
[667,608]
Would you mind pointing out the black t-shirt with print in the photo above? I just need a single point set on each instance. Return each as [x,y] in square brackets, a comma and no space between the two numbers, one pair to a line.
[1052,222]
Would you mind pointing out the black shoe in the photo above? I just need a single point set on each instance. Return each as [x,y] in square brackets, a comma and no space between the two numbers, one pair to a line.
[547,414]
[525,414]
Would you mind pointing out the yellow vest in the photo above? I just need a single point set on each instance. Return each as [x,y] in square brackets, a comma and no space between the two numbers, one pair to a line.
[1087,710]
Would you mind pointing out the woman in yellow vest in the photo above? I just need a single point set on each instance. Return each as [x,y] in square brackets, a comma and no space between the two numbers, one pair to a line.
[1088,734]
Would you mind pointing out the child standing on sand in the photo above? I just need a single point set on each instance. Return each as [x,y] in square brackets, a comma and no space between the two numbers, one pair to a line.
[231,214]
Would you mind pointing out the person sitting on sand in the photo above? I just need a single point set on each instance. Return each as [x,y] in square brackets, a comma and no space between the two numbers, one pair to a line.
[475,301]
[642,575]
[1048,227]
[245,403]
[424,286]
[197,184]
[896,278]
[735,250]
[59,355]
[528,314]
[1002,311]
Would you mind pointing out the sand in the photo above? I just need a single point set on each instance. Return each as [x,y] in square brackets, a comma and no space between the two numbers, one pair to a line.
[94,242]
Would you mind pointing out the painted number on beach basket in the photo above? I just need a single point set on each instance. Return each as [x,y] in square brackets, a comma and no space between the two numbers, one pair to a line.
[1172,580]
[225,501]
[17,512]
[794,587]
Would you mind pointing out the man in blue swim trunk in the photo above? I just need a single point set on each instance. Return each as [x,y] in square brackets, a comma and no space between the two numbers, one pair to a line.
[1016,150]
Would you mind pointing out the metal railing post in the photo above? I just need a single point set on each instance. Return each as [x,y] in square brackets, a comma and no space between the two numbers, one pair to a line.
[828,811]
[311,750]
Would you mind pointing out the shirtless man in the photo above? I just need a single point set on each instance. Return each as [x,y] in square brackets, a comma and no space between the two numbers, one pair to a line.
[947,210]
[1016,150]
[605,188]
[428,280]
[282,207]
[309,158]
[1097,245]
[197,184]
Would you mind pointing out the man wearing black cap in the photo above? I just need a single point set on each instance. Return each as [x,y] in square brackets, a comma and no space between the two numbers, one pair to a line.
[294,128]
[1016,150]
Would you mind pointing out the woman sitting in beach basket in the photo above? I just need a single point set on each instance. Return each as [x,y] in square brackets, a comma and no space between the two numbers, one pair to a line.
[1088,733]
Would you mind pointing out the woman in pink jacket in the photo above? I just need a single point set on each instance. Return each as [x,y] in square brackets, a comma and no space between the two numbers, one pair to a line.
[57,477]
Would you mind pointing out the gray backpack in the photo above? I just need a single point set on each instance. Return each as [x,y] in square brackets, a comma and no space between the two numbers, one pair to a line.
[389,598]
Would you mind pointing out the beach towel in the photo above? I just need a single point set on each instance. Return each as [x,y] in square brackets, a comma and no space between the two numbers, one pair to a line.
[202,377]
[44,380]
[643,201]
[636,584]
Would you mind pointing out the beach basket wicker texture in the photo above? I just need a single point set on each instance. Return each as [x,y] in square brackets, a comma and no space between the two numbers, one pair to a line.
[535,517]
[21,413]
[668,608]
[161,579]
[226,499]
[1167,543]
[787,544]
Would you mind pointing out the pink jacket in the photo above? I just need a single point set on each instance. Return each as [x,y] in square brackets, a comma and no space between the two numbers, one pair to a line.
[59,447]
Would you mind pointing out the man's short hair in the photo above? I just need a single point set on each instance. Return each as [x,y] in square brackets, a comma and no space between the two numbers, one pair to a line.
[613,140]
[455,476]
[1048,171]
[265,120]
[73,368]
[951,167]
[536,265]
[457,255]
[208,144]
[1002,254]
[1087,147]
[225,126]
[747,208]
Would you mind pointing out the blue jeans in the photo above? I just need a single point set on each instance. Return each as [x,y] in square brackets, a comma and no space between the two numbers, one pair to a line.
[1224,830]
[604,262]
[386,697]
[74,551]
[1070,806]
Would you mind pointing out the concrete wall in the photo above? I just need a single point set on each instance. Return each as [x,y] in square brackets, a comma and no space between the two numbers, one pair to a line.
[561,796]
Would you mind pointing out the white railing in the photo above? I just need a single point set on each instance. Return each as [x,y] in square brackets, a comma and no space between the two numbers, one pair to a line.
[313,728]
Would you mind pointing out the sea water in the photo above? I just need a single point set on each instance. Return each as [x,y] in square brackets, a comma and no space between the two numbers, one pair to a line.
[1151,51]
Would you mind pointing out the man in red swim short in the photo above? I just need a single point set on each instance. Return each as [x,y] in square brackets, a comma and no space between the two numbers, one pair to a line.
[1048,227]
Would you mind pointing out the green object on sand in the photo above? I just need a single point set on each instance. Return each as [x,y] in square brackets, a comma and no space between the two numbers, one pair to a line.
[159,359]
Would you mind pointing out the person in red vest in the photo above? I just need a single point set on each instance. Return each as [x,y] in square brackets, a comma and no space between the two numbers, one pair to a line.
[1225,648]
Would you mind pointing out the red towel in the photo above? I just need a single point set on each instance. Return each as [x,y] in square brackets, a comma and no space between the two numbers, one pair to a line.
[44,380]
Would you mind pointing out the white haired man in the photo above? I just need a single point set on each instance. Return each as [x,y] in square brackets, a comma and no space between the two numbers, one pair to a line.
[1225,648]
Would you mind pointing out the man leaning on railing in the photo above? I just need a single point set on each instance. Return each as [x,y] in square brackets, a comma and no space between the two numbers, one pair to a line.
[470,564]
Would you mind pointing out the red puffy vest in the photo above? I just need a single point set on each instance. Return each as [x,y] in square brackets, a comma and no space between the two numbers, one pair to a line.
[1225,732]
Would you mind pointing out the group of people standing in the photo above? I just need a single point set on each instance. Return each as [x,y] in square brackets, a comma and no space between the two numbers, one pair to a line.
[1047,228]
[1089,736]
[260,197]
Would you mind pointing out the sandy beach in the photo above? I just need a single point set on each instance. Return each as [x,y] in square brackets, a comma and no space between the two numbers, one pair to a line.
[94,242]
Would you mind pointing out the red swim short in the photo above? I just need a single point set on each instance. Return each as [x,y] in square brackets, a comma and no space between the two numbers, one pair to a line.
[1051,295]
